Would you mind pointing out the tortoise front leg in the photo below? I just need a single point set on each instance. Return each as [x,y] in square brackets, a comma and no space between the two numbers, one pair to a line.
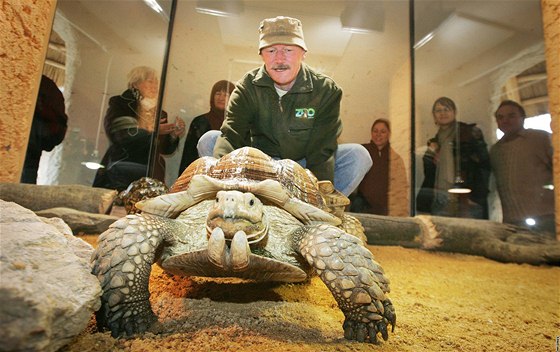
[355,279]
[123,262]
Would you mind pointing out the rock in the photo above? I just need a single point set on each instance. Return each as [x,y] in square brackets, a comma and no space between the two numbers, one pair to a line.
[80,221]
[47,293]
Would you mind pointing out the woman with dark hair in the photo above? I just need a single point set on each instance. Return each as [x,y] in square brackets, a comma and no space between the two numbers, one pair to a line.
[384,189]
[458,152]
[129,124]
[212,120]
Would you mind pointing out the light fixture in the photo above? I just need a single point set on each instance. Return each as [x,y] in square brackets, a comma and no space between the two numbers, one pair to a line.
[221,8]
[93,161]
[459,186]
[530,222]
[363,17]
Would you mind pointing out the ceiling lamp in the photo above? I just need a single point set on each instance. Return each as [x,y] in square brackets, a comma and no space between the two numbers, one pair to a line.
[93,162]
[459,186]
[363,17]
[222,8]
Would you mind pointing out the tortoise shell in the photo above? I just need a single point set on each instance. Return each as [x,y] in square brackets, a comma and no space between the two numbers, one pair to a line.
[143,188]
[249,165]
[284,183]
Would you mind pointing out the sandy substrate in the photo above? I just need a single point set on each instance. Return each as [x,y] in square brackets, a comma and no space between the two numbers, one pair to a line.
[444,302]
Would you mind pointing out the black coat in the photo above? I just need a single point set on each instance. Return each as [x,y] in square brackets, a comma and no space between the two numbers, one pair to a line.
[474,169]
[132,144]
[47,129]
[199,126]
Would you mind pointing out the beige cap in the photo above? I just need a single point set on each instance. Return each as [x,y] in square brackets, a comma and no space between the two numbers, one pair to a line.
[281,30]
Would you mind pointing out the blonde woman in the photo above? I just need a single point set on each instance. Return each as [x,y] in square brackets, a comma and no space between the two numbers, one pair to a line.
[129,124]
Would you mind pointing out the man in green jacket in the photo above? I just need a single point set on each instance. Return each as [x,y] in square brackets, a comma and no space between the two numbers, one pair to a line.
[289,111]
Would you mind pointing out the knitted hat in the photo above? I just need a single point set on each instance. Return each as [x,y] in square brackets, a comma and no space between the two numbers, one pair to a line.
[281,30]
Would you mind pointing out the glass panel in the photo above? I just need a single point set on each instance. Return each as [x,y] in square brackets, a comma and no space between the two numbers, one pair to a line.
[372,67]
[477,53]
[93,46]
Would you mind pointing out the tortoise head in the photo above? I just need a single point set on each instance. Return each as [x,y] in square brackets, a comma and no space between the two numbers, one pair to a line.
[235,211]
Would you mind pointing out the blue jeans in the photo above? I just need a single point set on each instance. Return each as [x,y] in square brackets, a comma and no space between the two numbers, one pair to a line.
[351,161]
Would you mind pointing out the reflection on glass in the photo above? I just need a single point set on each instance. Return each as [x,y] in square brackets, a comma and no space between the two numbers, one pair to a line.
[522,166]
[93,45]
[372,67]
[456,167]
[477,54]
[130,124]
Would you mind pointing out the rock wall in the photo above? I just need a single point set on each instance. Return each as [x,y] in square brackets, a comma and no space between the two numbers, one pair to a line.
[24,33]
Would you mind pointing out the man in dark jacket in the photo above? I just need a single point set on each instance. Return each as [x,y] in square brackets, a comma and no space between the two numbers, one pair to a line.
[289,111]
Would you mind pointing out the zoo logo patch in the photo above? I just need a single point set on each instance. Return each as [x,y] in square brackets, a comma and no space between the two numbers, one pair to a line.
[305,113]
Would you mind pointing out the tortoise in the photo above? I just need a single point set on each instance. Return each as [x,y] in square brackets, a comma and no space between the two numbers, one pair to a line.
[143,188]
[248,216]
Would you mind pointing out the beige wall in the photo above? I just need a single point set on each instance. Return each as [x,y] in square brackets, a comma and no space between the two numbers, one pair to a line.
[24,35]
[551,18]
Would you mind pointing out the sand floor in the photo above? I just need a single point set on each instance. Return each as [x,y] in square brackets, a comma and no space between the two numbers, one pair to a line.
[444,302]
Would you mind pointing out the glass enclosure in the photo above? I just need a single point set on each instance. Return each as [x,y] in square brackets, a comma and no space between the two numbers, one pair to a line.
[92,48]
[476,53]
[362,45]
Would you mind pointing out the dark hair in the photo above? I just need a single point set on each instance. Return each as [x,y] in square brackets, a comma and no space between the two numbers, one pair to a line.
[381,120]
[220,86]
[511,103]
[445,101]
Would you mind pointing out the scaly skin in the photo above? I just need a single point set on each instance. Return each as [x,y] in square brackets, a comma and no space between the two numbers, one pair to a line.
[122,263]
[356,281]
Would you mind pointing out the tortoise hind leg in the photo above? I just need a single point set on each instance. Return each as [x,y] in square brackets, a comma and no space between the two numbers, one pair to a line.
[356,281]
[122,262]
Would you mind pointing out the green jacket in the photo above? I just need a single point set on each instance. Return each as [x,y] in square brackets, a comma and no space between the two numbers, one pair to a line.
[303,124]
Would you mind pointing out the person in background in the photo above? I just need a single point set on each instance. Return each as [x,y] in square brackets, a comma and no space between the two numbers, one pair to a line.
[522,166]
[48,128]
[129,124]
[457,150]
[289,111]
[212,120]
[384,189]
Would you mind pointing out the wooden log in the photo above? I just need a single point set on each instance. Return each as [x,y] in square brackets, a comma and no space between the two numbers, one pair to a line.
[80,221]
[39,197]
[493,240]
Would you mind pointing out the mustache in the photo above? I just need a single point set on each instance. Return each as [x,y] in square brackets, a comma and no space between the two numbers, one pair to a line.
[281,67]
